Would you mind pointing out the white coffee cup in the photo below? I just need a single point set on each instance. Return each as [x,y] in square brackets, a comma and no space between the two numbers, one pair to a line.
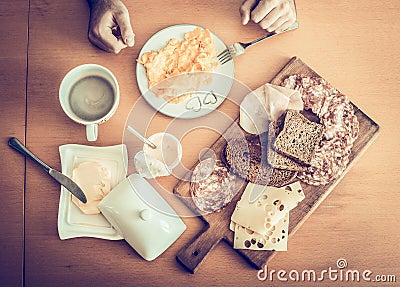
[89,95]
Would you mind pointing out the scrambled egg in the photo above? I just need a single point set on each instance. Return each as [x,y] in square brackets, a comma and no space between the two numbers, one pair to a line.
[195,53]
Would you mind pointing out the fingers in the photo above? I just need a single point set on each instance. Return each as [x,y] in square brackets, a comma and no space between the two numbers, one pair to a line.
[124,23]
[101,35]
[263,8]
[109,26]
[245,10]
[107,43]
[284,26]
[96,41]
[271,15]
[270,19]
[114,43]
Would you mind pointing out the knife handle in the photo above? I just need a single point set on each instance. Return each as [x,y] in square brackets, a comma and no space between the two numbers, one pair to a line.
[18,146]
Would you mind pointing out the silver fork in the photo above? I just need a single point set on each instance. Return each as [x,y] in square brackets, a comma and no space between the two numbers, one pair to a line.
[238,48]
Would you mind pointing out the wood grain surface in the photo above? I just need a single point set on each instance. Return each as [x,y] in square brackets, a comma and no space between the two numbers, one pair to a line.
[352,44]
[13,69]
[217,223]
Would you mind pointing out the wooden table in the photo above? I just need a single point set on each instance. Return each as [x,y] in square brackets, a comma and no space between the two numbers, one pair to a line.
[353,46]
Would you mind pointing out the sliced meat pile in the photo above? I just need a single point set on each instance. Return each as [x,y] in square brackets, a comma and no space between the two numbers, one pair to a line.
[336,113]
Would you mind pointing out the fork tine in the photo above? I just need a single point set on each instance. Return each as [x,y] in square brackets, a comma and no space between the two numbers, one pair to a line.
[224,56]
[226,60]
[226,53]
[223,53]
[227,56]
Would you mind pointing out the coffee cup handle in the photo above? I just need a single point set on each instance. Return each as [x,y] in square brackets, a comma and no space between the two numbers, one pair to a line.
[92,131]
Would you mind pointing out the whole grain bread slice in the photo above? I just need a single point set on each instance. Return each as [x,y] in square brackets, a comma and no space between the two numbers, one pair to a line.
[299,137]
[278,160]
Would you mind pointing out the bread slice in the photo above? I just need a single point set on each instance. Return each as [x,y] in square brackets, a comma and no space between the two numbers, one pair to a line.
[299,137]
[246,157]
[276,159]
[281,177]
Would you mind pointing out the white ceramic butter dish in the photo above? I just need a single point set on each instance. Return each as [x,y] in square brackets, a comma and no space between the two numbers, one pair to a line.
[141,216]
[72,222]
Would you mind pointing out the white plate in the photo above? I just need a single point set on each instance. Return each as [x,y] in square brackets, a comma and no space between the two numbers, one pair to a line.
[199,104]
[72,222]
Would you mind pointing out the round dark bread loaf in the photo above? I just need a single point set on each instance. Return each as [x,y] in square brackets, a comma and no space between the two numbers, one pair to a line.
[247,158]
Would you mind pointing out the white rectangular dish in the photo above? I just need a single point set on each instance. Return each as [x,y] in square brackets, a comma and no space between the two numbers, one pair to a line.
[72,222]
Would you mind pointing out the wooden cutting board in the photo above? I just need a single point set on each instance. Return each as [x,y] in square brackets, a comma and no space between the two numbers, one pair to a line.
[217,223]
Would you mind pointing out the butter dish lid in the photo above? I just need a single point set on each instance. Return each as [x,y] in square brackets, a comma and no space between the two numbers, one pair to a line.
[130,208]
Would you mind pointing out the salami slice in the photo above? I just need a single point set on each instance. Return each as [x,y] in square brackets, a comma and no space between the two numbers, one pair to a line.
[212,185]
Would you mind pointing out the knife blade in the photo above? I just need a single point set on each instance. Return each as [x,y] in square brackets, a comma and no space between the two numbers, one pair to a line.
[69,184]
[64,180]
[256,192]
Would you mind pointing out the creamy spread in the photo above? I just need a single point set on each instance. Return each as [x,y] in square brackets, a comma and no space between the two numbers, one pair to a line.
[150,167]
[167,150]
[160,161]
[94,179]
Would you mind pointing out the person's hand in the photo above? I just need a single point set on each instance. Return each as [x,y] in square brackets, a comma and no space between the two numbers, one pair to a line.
[271,15]
[109,26]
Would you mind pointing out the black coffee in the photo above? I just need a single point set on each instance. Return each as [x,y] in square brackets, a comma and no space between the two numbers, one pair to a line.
[91,98]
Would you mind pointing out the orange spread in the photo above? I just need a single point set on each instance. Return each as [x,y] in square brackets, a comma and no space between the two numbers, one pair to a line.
[94,179]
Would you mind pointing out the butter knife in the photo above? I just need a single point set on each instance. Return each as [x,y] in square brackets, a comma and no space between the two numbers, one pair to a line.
[55,174]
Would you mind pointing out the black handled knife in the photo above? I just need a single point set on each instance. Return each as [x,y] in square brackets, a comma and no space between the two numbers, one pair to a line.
[58,176]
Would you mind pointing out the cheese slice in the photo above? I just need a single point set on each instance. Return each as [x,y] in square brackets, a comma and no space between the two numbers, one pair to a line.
[273,204]
[276,239]
[232,226]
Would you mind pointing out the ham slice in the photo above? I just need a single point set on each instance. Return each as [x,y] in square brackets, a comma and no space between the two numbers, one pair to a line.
[266,104]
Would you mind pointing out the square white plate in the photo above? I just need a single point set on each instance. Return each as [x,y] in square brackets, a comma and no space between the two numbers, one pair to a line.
[72,222]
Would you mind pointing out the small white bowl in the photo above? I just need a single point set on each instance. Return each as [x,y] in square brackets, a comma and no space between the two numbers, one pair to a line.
[151,163]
